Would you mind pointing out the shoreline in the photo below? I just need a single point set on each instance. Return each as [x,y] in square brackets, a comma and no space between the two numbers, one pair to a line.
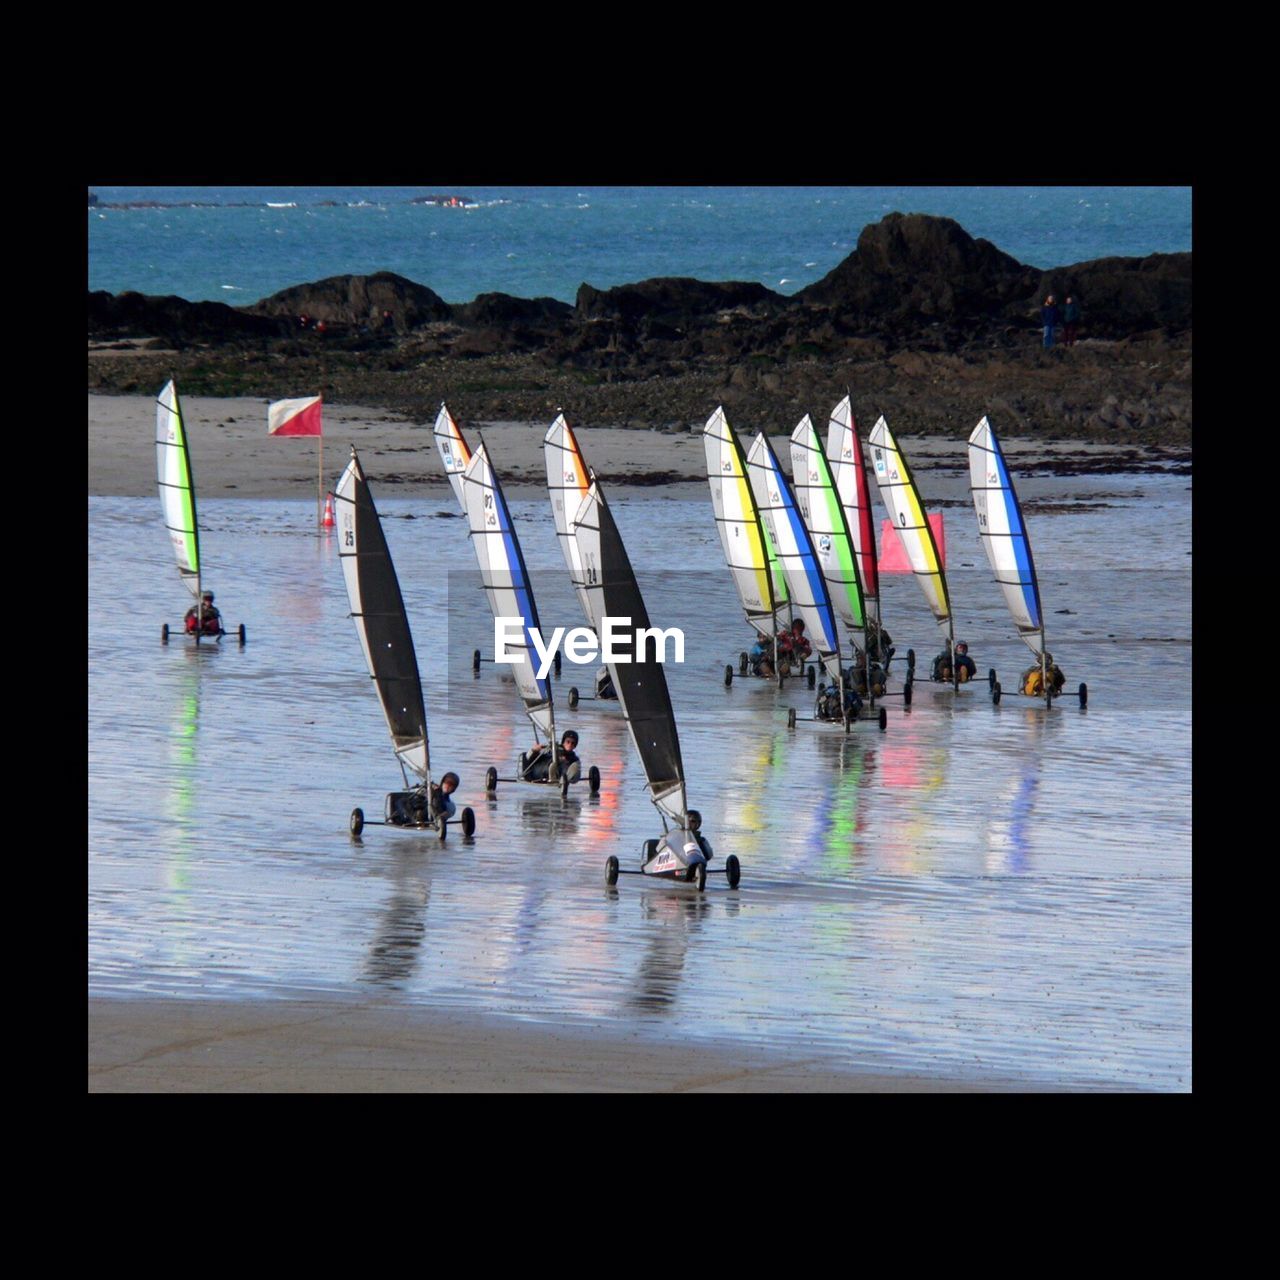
[184,1045]
[234,457]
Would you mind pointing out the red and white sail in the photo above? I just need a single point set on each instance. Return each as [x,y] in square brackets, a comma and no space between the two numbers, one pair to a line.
[294,417]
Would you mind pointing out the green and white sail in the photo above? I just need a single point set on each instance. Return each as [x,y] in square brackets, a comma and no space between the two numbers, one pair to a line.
[177,491]
[824,516]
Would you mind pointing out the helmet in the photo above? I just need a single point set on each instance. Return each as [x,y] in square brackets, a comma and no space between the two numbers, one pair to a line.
[206,595]
[568,735]
[962,647]
[695,819]
[451,777]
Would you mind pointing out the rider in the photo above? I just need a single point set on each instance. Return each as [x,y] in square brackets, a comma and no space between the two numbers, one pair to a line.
[797,643]
[761,656]
[203,617]
[441,796]
[966,668]
[695,830]
[535,764]
[828,707]
[1033,684]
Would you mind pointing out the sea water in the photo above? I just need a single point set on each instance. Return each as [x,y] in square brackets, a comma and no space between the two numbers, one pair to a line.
[238,245]
[981,889]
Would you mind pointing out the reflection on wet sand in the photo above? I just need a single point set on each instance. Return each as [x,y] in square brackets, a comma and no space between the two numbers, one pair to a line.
[673,916]
[397,946]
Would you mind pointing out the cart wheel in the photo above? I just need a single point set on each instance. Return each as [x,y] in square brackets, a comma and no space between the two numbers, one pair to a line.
[995,693]
[742,663]
[732,870]
[164,634]
[491,779]
[564,785]
[475,661]
[906,694]
[611,870]
[781,677]
[847,722]
[728,676]
[812,677]
[648,851]
[911,659]
[700,876]
[357,821]
[240,632]
[468,822]
[991,678]
[557,664]
[791,717]
[442,828]
[1084,695]
[573,696]
[593,779]
[884,719]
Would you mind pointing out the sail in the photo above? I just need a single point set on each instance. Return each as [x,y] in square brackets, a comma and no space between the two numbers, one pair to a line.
[453,452]
[1004,534]
[506,583]
[742,532]
[805,583]
[824,517]
[901,498]
[381,623]
[177,491]
[849,469]
[641,685]
[567,484]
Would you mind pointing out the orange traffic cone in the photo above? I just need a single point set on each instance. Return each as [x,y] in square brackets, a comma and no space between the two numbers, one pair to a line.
[328,521]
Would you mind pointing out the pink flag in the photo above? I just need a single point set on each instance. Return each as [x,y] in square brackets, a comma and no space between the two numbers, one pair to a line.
[294,417]
[893,559]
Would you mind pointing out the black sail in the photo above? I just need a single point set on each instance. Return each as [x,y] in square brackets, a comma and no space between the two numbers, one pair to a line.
[377,608]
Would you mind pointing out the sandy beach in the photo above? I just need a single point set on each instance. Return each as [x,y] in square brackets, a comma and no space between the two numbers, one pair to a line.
[214,1046]
[234,457]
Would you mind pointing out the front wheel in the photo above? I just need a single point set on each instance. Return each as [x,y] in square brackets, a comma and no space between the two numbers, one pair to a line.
[732,870]
[884,719]
[991,678]
[442,828]
[240,632]
[906,694]
[812,676]
[475,661]
[611,870]
[573,696]
[791,717]
[357,821]
[491,779]
[728,675]
[911,659]
[995,693]
[1084,695]
[648,851]
[742,663]
[593,779]
[564,785]
[468,822]
[700,876]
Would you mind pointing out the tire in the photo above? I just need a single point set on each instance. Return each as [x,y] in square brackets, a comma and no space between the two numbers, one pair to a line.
[906,694]
[357,821]
[1084,695]
[884,719]
[991,678]
[468,822]
[647,851]
[611,870]
[164,634]
[593,779]
[700,876]
[812,676]
[557,664]
[475,661]
[732,870]
[442,829]
[491,780]
[995,693]
[728,676]
[742,663]
[240,632]
[911,659]
[564,785]
[573,696]
[791,718]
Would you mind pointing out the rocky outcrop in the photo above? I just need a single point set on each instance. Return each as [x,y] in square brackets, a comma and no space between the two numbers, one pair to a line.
[380,301]
[175,319]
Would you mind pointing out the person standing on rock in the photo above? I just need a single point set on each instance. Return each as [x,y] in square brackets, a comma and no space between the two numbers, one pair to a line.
[1070,318]
[1049,318]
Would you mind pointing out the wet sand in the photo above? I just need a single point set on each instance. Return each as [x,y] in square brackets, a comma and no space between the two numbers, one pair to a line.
[233,457]
[214,1046]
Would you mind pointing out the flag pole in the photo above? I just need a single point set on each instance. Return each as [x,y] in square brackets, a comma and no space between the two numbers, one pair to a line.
[319,485]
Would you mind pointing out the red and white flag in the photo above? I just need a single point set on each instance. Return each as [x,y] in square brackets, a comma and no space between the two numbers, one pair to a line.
[893,559]
[294,417]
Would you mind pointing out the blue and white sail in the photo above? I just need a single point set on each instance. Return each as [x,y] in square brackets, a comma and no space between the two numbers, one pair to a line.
[1004,535]
[506,583]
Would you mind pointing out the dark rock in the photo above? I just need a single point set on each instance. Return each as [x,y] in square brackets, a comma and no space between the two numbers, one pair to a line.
[673,299]
[378,301]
